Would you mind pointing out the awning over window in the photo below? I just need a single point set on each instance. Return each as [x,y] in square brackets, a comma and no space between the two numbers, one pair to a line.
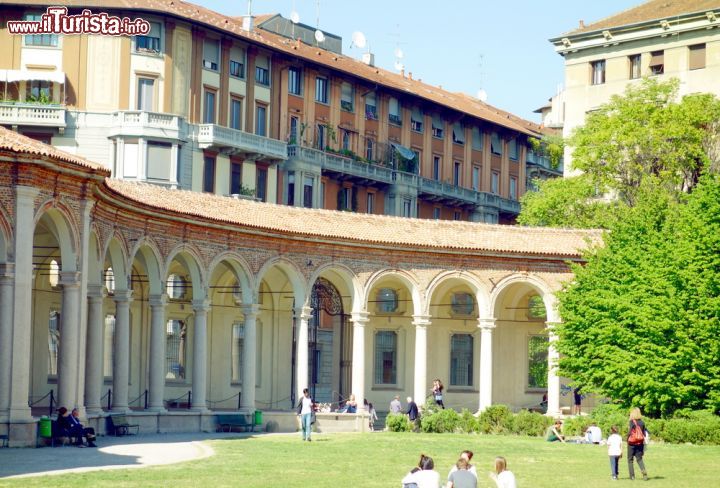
[405,152]
[10,75]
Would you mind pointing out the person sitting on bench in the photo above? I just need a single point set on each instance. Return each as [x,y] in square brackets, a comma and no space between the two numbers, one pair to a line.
[71,423]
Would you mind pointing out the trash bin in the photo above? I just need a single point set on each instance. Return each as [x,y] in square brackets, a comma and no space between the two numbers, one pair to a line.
[258,417]
[45,426]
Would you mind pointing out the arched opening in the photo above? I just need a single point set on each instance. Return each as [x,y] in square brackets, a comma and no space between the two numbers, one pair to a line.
[520,346]
[330,344]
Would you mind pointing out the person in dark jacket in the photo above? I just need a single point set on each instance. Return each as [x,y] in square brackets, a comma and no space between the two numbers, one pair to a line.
[636,448]
[412,412]
[70,423]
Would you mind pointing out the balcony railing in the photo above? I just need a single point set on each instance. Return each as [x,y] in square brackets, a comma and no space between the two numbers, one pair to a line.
[32,114]
[341,164]
[543,162]
[237,141]
[140,123]
[447,190]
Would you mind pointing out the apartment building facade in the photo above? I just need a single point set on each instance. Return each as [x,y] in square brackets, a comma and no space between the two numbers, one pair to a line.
[659,38]
[224,105]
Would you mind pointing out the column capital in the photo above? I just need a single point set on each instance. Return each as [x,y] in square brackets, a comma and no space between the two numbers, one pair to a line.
[303,313]
[158,300]
[26,191]
[421,320]
[122,296]
[7,271]
[250,309]
[487,323]
[202,305]
[96,292]
[70,279]
[360,319]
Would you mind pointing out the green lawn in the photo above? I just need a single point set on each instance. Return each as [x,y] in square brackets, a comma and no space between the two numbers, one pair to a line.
[382,459]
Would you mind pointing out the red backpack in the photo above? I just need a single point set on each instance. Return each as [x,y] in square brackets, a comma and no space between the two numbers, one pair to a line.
[637,436]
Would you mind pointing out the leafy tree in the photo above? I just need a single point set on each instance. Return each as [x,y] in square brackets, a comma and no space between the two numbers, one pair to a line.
[641,321]
[644,133]
[568,202]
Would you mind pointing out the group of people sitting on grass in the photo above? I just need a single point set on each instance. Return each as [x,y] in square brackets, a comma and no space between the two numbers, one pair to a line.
[637,438]
[462,475]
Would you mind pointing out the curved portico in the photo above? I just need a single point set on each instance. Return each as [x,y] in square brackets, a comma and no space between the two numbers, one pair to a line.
[185,303]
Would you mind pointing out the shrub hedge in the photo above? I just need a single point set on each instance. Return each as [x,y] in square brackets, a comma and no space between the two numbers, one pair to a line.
[696,427]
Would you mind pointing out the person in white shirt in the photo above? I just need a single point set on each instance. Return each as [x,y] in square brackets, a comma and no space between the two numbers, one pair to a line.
[593,434]
[503,478]
[305,410]
[614,444]
[424,475]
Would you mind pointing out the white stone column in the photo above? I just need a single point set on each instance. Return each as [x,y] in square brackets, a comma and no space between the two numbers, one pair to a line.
[22,311]
[553,393]
[487,326]
[199,368]
[86,206]
[94,374]
[156,363]
[420,390]
[7,277]
[302,316]
[121,354]
[359,321]
[68,356]
[249,374]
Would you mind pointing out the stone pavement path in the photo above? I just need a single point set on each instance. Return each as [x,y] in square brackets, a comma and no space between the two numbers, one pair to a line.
[136,451]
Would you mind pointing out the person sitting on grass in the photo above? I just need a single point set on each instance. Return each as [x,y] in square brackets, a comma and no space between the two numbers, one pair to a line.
[503,478]
[461,477]
[593,434]
[422,476]
[554,432]
[467,456]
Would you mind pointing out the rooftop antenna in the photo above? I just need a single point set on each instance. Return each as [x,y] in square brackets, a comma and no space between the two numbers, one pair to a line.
[399,55]
[294,18]
[319,35]
[358,40]
[481,94]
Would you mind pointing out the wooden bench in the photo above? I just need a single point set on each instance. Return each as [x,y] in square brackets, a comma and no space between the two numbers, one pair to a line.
[227,421]
[119,425]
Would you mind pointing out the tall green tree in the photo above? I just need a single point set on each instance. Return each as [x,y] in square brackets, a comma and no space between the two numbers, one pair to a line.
[641,320]
[646,132]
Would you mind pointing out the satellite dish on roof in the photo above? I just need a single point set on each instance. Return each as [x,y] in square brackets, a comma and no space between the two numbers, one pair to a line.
[482,95]
[358,39]
[399,66]
[319,36]
[295,17]
[398,53]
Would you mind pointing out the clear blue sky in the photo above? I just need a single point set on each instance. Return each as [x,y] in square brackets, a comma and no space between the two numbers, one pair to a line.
[463,45]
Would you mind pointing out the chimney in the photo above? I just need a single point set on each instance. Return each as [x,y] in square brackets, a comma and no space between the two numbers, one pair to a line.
[410,74]
[247,23]
[582,24]
[402,72]
[368,58]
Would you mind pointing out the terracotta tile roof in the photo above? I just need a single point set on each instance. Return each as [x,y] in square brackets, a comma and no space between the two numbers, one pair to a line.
[196,13]
[648,11]
[346,226]
[12,141]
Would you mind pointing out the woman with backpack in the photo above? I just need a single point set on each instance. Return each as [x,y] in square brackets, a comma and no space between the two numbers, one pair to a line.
[637,434]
